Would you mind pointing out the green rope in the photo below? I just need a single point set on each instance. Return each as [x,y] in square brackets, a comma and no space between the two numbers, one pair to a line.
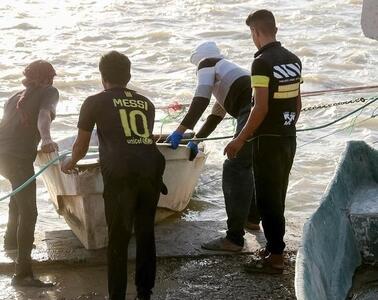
[298,130]
[168,118]
[339,130]
[339,119]
[353,122]
[351,126]
[31,179]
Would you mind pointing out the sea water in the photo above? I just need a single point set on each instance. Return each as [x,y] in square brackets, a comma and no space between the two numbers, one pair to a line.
[159,36]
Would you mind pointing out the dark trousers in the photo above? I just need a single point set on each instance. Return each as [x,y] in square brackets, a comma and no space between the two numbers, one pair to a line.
[272,161]
[131,202]
[22,210]
[238,187]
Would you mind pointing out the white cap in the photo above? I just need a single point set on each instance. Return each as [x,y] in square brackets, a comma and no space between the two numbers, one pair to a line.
[205,50]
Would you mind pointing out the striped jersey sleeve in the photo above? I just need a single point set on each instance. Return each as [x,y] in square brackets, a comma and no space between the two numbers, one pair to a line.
[260,74]
[205,82]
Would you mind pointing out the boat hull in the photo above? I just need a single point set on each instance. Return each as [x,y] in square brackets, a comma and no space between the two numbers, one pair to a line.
[78,197]
[333,243]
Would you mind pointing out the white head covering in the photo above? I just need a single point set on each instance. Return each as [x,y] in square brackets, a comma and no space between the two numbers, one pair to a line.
[205,50]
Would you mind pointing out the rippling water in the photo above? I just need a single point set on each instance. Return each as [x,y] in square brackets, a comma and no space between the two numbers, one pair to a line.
[158,36]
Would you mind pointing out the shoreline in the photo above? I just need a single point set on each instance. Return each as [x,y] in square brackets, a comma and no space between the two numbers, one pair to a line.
[184,270]
[214,277]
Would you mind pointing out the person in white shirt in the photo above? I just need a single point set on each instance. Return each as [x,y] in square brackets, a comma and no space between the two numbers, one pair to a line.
[231,86]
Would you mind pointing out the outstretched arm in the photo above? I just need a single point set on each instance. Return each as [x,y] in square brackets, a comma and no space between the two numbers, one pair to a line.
[256,117]
[196,109]
[86,124]
[79,150]
[212,121]
[44,123]
[205,84]
[260,83]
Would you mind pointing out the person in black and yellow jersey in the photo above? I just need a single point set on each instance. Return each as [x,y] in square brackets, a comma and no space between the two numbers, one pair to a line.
[132,169]
[276,79]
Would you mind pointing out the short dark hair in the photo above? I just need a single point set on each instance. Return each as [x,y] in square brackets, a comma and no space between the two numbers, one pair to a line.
[115,68]
[263,20]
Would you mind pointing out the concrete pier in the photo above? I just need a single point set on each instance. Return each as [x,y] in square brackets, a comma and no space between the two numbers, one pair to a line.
[184,270]
[174,238]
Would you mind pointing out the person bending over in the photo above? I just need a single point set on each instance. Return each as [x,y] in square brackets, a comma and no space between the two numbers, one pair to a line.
[231,86]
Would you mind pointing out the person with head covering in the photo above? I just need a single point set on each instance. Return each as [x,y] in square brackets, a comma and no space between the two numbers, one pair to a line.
[231,86]
[26,121]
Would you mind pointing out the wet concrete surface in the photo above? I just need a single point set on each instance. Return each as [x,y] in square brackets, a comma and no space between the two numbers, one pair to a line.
[220,277]
[185,271]
[365,283]
[176,238]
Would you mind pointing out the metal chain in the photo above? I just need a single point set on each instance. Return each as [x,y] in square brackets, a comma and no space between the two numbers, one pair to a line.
[334,104]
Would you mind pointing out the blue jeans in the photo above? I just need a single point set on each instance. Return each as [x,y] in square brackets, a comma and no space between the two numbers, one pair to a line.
[238,187]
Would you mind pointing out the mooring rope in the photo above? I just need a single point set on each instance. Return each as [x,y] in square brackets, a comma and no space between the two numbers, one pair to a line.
[303,94]
[298,130]
[60,156]
[65,153]
[340,90]
[178,106]
[354,124]
[338,119]
[31,179]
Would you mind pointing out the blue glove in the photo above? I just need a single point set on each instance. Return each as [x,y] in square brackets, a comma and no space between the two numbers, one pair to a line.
[193,150]
[174,138]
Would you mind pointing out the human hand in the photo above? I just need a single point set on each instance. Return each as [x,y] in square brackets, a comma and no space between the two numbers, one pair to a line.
[67,166]
[233,148]
[48,145]
[193,146]
[174,139]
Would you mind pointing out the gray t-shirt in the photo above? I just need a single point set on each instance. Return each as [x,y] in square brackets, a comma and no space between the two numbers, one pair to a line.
[20,139]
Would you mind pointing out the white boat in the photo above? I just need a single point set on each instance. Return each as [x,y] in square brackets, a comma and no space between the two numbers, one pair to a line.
[78,197]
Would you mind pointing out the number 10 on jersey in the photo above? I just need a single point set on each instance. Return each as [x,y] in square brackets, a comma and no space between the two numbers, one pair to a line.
[129,123]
